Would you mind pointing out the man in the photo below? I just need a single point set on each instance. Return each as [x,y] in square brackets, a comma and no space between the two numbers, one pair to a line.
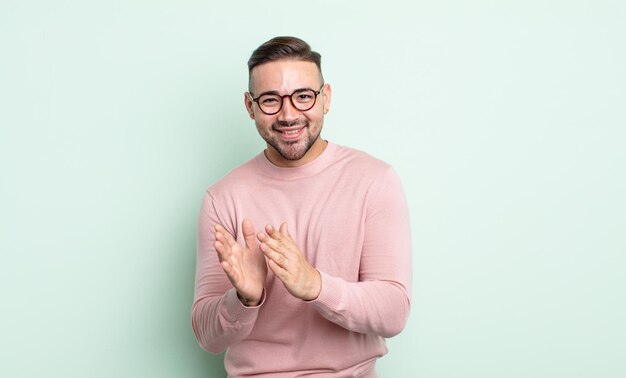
[304,252]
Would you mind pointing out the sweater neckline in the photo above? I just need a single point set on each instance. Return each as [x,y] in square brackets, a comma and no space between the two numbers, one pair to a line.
[292,173]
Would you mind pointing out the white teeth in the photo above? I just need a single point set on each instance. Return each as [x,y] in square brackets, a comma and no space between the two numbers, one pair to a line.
[291,132]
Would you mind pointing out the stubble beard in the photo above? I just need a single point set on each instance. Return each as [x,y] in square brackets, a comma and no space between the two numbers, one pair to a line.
[292,150]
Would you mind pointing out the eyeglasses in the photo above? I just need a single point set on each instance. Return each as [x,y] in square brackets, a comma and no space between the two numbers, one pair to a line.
[301,99]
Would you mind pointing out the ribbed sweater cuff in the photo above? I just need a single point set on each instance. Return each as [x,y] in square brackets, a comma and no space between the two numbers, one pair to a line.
[332,295]
[236,311]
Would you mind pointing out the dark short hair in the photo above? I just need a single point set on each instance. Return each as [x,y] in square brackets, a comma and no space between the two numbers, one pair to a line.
[283,48]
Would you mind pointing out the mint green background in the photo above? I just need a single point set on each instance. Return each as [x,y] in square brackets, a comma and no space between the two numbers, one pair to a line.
[505,120]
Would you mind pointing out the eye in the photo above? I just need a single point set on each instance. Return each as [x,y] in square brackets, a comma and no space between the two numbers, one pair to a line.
[305,96]
[269,100]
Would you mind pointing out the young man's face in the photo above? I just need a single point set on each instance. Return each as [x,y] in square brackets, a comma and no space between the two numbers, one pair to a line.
[292,135]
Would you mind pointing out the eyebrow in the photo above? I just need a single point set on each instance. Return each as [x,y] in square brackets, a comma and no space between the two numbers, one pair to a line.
[276,92]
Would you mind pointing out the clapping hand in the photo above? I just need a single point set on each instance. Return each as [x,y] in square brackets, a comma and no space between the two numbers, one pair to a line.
[245,266]
[288,264]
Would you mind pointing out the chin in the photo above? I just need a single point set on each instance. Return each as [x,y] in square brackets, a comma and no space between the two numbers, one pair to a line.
[291,154]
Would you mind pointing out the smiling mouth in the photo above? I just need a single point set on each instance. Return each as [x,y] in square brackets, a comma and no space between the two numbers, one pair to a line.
[290,132]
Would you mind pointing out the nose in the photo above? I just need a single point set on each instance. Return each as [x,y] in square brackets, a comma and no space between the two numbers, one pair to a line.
[288,112]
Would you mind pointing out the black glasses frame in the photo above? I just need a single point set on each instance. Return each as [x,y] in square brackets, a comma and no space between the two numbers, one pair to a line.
[282,100]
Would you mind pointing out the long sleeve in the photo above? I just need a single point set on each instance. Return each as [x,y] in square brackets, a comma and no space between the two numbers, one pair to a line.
[218,318]
[347,213]
[379,303]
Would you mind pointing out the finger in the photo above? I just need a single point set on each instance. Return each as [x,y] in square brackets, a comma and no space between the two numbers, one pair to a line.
[228,238]
[220,237]
[279,271]
[248,233]
[219,228]
[262,236]
[272,243]
[272,255]
[223,252]
[227,267]
[272,232]
[284,231]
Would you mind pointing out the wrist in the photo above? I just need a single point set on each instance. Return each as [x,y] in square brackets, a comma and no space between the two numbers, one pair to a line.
[316,286]
[248,302]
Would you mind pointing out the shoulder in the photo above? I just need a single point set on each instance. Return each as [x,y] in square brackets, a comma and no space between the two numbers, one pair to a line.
[378,173]
[362,163]
[239,178]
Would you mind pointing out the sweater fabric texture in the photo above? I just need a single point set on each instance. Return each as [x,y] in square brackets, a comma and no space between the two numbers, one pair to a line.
[348,215]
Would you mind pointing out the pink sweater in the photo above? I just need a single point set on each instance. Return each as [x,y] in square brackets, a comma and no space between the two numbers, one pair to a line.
[347,212]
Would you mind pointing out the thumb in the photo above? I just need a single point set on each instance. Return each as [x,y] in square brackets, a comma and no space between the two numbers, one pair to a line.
[248,233]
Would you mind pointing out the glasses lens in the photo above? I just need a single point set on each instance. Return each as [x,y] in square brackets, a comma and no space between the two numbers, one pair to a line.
[303,100]
[270,103]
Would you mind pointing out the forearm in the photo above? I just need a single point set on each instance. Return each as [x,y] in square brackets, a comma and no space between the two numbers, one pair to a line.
[218,317]
[379,302]
[219,322]
[371,307]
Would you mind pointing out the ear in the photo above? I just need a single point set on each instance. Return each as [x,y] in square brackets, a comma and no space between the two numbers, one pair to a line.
[326,97]
[249,104]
